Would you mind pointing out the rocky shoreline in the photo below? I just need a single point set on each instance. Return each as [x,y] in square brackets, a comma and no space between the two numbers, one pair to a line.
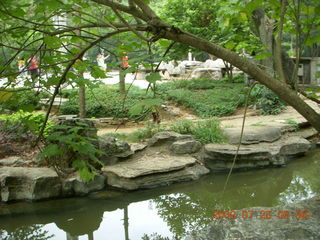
[167,158]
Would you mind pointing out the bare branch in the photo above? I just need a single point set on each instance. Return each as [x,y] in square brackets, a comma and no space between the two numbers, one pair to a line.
[123,8]
[128,25]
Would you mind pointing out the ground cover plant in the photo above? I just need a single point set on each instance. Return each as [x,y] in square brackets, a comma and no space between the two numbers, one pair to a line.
[104,101]
[205,97]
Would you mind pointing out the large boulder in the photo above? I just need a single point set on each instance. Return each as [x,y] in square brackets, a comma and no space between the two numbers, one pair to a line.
[219,157]
[20,183]
[153,170]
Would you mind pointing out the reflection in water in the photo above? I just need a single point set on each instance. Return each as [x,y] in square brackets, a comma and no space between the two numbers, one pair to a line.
[34,232]
[298,190]
[160,214]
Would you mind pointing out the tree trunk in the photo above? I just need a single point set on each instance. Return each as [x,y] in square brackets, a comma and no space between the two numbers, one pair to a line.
[82,92]
[122,82]
[281,89]
[265,27]
[82,102]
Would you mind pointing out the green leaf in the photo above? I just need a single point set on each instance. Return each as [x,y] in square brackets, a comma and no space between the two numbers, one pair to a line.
[230,45]
[51,150]
[18,12]
[4,96]
[98,73]
[85,174]
[153,77]
[262,55]
[145,104]
[243,17]
[52,41]
[136,109]
[28,107]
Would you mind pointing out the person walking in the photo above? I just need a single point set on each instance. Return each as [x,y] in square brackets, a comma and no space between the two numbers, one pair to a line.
[33,68]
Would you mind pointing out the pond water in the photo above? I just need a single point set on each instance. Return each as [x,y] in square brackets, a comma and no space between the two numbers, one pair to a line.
[169,212]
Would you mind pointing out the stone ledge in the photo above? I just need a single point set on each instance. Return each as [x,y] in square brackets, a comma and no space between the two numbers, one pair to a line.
[219,157]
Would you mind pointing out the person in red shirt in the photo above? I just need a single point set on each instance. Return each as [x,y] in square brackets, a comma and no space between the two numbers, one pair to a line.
[33,68]
[125,63]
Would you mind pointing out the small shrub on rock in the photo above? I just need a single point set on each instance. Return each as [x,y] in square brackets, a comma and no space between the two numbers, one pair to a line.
[206,131]
[73,146]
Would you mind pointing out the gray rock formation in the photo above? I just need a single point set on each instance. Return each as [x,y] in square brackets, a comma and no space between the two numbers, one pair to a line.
[14,161]
[74,186]
[296,227]
[214,73]
[167,137]
[152,171]
[20,183]
[252,135]
[185,146]
[113,149]
[219,157]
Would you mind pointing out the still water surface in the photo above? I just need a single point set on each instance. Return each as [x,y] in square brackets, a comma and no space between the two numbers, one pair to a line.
[169,212]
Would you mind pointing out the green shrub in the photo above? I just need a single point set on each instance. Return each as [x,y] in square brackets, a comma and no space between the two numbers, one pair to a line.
[267,101]
[206,131]
[141,134]
[183,126]
[71,146]
[23,125]
[23,100]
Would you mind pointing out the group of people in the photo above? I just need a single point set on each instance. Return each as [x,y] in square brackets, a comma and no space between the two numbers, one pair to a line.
[30,66]
[101,61]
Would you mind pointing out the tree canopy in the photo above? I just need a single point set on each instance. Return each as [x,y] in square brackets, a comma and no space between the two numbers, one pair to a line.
[31,28]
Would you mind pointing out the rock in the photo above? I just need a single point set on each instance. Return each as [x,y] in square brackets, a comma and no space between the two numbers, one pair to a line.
[294,146]
[81,188]
[219,157]
[136,147]
[19,183]
[185,146]
[14,161]
[74,186]
[214,73]
[114,149]
[167,137]
[276,228]
[252,135]
[152,171]
[67,187]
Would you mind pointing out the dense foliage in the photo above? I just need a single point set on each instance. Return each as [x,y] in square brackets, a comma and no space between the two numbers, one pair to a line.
[205,97]
[73,145]
[22,126]
[23,99]
[266,101]
[104,101]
